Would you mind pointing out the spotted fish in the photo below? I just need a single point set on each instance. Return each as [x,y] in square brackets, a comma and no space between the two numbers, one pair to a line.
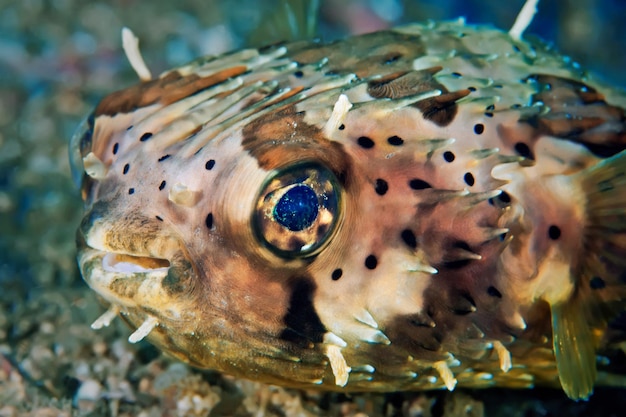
[430,206]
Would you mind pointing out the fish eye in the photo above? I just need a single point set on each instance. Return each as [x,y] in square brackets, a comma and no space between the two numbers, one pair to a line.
[297,210]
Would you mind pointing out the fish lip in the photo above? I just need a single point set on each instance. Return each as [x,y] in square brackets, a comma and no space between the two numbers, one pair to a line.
[134,286]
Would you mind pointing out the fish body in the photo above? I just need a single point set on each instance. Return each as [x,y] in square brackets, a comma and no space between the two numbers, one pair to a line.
[435,205]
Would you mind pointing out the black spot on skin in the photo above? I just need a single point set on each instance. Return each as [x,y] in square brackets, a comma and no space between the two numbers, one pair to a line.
[209,164]
[504,197]
[472,89]
[131,191]
[302,324]
[491,107]
[408,237]
[395,140]
[554,232]
[164,157]
[209,221]
[493,291]
[597,283]
[159,218]
[468,178]
[126,168]
[479,128]
[116,148]
[523,150]
[418,184]
[371,262]
[337,273]
[162,185]
[342,127]
[448,156]
[298,74]
[488,114]
[365,142]
[146,136]
[381,186]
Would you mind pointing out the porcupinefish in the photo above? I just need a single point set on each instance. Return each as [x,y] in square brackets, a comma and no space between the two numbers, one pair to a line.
[430,206]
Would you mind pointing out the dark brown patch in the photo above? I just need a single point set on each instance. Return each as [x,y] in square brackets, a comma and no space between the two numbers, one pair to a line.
[165,90]
[302,324]
[415,334]
[366,55]
[281,138]
[578,113]
[440,110]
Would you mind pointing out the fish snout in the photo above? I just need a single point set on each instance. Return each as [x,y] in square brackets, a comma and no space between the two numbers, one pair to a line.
[132,260]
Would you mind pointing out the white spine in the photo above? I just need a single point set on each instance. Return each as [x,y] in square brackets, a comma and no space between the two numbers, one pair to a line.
[130,43]
[523,20]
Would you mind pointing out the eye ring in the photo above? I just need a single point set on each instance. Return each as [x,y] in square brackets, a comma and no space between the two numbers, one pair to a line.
[297,210]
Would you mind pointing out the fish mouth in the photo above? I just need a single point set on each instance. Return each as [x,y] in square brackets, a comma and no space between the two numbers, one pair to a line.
[124,263]
[137,283]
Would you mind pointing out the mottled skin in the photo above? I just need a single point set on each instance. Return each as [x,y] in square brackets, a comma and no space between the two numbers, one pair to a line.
[473,219]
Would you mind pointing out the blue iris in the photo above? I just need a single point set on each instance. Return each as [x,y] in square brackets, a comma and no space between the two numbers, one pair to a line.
[297,209]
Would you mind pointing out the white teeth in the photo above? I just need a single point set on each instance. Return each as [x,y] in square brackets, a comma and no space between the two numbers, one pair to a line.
[106,318]
[143,330]
[338,364]
[504,355]
[446,374]
[130,43]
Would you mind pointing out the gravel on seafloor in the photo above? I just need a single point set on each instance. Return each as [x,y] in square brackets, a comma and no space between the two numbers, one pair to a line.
[57,59]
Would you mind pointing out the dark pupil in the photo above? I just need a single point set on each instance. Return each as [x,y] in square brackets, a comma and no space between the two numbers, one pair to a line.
[297,208]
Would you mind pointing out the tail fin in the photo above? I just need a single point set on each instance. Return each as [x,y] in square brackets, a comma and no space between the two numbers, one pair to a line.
[600,276]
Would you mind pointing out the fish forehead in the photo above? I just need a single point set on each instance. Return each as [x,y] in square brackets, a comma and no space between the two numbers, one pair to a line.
[434,108]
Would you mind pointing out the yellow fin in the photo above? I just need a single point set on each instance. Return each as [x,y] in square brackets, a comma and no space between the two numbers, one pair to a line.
[574,349]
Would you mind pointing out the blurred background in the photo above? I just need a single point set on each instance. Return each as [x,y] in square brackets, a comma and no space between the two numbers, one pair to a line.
[58,58]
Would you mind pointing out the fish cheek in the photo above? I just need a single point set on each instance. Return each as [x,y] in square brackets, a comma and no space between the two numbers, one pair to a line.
[178,278]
